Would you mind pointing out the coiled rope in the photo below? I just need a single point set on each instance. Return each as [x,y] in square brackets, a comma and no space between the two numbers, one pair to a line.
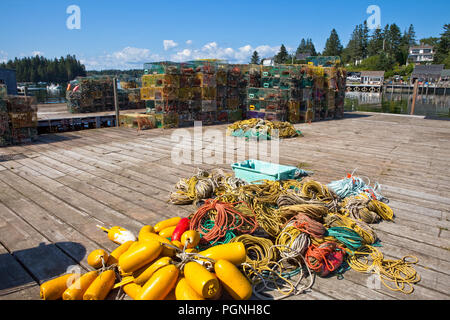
[203,185]
[352,186]
[307,225]
[267,273]
[313,211]
[366,233]
[360,207]
[226,218]
[292,242]
[346,236]
[396,275]
[319,258]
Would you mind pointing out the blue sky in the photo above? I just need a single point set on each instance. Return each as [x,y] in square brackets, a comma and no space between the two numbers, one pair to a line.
[125,34]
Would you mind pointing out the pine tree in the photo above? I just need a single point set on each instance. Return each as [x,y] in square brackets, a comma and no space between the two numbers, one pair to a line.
[36,69]
[395,43]
[333,46]
[310,47]
[443,47]
[364,40]
[282,56]
[255,58]
[302,47]
[307,47]
[353,49]
[411,36]
[375,45]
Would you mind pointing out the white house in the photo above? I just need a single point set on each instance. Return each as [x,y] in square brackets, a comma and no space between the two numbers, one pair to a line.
[421,54]
[372,77]
[268,61]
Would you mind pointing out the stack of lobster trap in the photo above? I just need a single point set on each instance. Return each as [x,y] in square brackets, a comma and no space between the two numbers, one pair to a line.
[96,94]
[297,93]
[18,120]
[212,91]
[204,90]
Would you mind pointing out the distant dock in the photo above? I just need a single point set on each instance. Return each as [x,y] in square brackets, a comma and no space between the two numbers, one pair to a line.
[435,89]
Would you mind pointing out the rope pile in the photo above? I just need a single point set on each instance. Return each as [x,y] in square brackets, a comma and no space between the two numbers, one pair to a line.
[294,230]
[203,185]
[262,129]
[225,219]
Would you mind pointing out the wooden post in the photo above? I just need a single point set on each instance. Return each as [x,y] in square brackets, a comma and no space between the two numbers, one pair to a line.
[416,87]
[116,101]
[445,89]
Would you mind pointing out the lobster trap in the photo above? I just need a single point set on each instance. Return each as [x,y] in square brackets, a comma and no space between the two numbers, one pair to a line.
[137,121]
[3,91]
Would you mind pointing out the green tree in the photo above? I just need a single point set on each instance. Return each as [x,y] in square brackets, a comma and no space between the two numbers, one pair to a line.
[430,41]
[302,47]
[364,39]
[393,42]
[255,58]
[375,45]
[36,69]
[443,46]
[311,48]
[306,46]
[333,46]
[408,40]
[411,36]
[354,51]
[446,62]
[282,56]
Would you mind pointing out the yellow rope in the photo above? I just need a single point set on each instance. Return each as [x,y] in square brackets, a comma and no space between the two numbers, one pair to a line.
[314,211]
[396,275]
[266,272]
[365,231]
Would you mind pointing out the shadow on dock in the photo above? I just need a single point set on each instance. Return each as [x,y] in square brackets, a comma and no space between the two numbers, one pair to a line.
[433,117]
[25,268]
[350,114]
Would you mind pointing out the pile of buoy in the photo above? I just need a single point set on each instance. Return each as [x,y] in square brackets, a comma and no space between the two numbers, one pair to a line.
[269,240]
[152,267]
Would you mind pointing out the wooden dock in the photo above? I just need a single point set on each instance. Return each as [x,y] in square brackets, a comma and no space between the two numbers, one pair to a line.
[56,118]
[54,192]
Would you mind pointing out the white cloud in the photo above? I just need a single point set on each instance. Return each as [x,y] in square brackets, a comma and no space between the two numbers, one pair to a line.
[169,44]
[210,46]
[3,56]
[189,42]
[213,50]
[127,58]
[37,53]
[134,58]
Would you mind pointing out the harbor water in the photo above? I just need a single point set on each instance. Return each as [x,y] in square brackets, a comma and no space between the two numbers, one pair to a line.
[428,105]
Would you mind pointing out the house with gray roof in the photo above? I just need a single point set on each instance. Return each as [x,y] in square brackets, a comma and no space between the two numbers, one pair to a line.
[372,77]
[429,73]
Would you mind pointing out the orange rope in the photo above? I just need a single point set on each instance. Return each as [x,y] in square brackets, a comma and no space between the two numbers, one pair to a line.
[308,225]
[317,256]
[226,218]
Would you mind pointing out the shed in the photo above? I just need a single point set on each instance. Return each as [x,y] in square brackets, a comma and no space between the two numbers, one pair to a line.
[432,72]
[445,75]
[372,77]
[8,77]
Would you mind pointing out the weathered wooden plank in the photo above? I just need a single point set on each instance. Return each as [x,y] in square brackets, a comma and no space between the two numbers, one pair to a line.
[102,213]
[41,258]
[71,224]
[15,282]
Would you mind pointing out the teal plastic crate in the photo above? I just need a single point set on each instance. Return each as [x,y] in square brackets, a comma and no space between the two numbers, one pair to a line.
[256,170]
